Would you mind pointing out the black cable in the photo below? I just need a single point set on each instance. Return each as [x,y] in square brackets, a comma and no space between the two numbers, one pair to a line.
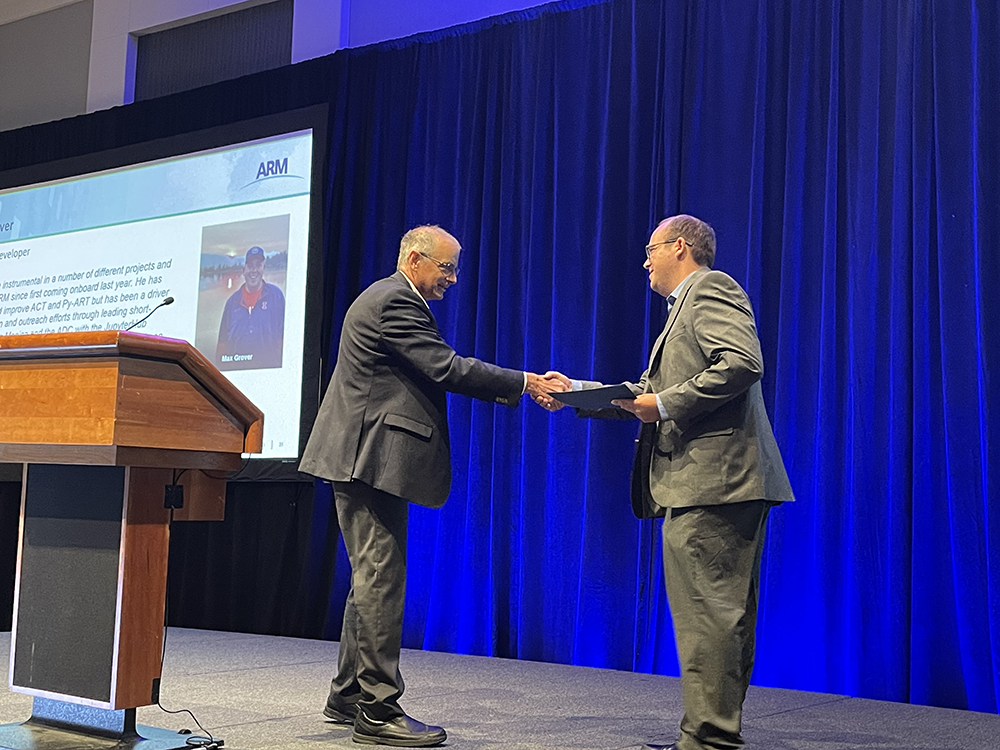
[228,475]
[207,742]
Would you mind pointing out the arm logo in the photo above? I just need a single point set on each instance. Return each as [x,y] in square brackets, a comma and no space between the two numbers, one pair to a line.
[272,169]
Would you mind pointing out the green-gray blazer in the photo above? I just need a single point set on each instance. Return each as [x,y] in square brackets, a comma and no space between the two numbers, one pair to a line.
[716,446]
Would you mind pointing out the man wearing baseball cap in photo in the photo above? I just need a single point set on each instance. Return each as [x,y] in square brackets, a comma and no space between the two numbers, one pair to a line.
[253,321]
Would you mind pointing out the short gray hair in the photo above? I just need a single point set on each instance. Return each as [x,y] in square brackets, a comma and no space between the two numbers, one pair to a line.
[697,233]
[423,239]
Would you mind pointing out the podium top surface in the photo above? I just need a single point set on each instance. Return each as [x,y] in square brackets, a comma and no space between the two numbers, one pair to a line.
[97,344]
[105,345]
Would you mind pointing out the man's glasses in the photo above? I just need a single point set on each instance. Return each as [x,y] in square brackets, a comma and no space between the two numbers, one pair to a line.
[650,248]
[446,268]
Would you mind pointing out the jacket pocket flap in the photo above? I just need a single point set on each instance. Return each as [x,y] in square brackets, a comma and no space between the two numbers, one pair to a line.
[712,433]
[410,425]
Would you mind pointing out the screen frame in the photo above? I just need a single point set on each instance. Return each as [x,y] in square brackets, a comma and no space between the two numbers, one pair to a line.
[314,118]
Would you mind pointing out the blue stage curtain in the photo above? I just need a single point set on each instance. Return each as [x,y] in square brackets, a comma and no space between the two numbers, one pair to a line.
[847,155]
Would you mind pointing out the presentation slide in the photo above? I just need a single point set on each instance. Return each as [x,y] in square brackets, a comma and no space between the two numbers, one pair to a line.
[223,232]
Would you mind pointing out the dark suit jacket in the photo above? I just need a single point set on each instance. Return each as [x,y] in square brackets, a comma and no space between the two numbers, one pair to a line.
[717,446]
[384,419]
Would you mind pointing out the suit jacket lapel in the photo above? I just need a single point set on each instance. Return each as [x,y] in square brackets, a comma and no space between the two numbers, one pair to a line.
[654,356]
[400,278]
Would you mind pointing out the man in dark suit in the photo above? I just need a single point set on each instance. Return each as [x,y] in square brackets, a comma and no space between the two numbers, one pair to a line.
[707,462]
[381,438]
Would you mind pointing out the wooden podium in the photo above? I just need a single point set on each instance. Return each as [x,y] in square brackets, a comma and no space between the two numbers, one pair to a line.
[104,423]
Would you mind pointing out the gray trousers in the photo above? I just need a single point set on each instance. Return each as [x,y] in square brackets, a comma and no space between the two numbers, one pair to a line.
[711,563]
[374,527]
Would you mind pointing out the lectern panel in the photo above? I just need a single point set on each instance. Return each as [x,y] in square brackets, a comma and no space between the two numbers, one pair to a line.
[161,406]
[68,401]
[64,637]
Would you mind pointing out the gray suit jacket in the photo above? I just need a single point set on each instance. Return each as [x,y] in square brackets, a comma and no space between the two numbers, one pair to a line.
[717,445]
[384,419]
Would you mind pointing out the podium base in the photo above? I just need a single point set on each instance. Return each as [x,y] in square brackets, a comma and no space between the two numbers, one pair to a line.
[56,725]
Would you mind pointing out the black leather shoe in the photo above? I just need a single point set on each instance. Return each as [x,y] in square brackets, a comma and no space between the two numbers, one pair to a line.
[343,713]
[399,732]
[651,746]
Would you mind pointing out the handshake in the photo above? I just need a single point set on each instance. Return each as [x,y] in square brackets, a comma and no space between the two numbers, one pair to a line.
[540,386]
[644,407]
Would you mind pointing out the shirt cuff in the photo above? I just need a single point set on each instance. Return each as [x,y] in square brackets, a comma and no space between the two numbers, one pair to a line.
[576,385]
[663,410]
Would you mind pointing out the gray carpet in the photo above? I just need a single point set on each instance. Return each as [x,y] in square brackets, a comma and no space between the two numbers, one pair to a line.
[261,692]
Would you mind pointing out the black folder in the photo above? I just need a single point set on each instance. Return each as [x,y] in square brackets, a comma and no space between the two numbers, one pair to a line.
[595,398]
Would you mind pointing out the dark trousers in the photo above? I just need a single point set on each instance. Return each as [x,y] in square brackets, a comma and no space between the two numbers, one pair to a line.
[711,563]
[374,527]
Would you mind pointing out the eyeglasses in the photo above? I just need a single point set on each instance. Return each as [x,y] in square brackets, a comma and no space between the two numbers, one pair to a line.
[446,268]
[650,248]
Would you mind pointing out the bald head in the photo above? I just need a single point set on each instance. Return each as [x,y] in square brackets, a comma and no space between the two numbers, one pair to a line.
[422,239]
[428,255]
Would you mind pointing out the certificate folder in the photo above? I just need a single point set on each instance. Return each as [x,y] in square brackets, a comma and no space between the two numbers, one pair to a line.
[595,398]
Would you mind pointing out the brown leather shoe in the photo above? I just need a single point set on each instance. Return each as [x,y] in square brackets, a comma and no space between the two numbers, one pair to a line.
[399,732]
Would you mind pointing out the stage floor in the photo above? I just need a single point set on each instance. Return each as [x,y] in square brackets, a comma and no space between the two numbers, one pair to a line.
[262,692]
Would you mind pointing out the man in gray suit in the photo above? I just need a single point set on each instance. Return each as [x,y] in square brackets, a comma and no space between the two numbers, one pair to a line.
[707,462]
[381,438]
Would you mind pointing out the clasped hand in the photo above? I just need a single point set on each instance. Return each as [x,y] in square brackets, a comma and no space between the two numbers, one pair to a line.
[644,406]
[540,386]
